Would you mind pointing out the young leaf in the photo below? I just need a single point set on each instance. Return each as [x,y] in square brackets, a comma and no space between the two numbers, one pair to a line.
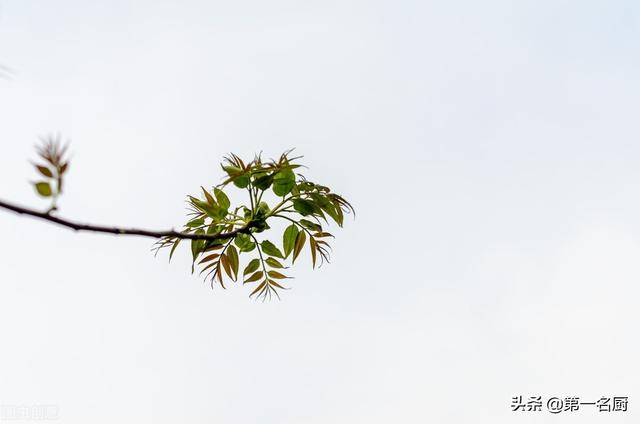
[214,247]
[253,265]
[44,171]
[196,249]
[214,228]
[304,207]
[241,181]
[310,225]
[210,200]
[314,247]
[276,274]
[224,260]
[283,182]
[257,289]
[275,283]
[248,248]
[173,248]
[274,263]
[263,181]
[209,258]
[299,244]
[244,243]
[234,262]
[271,249]
[195,223]
[218,274]
[330,209]
[43,189]
[289,239]
[223,200]
[213,211]
[231,170]
[255,277]
[339,213]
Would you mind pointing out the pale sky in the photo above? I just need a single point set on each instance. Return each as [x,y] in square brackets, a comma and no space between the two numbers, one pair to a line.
[490,150]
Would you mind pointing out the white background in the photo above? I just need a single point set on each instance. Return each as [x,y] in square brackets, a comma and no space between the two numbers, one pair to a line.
[490,149]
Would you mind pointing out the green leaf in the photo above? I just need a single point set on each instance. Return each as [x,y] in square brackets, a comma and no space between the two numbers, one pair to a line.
[43,189]
[271,249]
[255,277]
[210,200]
[289,239]
[283,182]
[44,171]
[234,261]
[302,237]
[319,199]
[196,248]
[231,170]
[213,211]
[222,198]
[310,225]
[244,243]
[339,214]
[276,274]
[274,263]
[304,207]
[330,209]
[263,181]
[241,181]
[248,248]
[263,209]
[253,265]
[194,223]
[214,228]
[173,248]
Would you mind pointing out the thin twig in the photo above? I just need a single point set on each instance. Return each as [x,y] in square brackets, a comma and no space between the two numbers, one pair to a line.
[122,231]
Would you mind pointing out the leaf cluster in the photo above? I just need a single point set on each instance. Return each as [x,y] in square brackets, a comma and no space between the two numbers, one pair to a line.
[305,205]
[51,169]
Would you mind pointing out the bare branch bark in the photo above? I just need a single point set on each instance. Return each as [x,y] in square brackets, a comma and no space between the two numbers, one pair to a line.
[121,231]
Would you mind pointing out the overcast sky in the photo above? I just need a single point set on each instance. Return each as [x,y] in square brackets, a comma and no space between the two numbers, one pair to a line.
[490,149]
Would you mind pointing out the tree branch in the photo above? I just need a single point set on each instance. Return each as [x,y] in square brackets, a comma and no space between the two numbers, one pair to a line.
[122,231]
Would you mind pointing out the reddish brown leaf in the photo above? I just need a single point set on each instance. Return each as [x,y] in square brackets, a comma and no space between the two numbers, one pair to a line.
[300,240]
[254,277]
[257,289]
[209,258]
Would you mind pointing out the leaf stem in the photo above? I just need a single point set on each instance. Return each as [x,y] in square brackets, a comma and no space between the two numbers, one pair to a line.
[264,267]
